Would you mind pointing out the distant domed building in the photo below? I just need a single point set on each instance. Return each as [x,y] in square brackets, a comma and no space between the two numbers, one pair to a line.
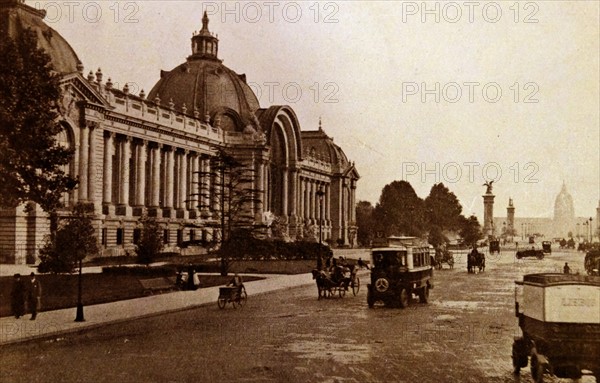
[159,155]
[564,213]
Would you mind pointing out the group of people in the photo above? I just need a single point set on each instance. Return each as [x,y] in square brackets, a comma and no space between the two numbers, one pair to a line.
[188,280]
[26,296]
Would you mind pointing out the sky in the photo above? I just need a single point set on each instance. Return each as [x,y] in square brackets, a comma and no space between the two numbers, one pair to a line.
[427,92]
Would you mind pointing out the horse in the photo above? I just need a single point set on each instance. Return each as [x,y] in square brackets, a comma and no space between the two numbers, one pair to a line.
[475,259]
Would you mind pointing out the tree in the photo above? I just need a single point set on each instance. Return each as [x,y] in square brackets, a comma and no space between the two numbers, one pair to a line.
[365,222]
[436,236]
[72,242]
[442,208]
[30,155]
[151,241]
[399,211]
[470,230]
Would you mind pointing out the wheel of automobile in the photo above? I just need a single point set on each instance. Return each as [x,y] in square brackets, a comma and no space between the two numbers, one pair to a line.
[518,255]
[404,298]
[382,285]
[424,294]
[540,256]
[355,286]
[221,302]
[370,300]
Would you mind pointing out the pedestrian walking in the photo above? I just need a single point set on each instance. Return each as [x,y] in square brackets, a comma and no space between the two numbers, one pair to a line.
[34,296]
[17,297]
[566,269]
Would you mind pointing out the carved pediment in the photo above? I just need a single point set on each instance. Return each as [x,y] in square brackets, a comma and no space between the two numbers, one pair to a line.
[76,88]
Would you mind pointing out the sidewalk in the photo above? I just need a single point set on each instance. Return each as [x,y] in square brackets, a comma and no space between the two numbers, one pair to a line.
[50,323]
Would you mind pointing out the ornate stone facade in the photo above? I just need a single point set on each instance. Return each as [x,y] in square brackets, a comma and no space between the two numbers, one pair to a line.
[152,155]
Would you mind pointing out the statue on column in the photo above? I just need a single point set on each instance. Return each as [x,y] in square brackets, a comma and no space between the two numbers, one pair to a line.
[488,184]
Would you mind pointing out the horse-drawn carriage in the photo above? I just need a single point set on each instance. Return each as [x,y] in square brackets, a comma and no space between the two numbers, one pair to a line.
[560,322]
[475,260]
[338,280]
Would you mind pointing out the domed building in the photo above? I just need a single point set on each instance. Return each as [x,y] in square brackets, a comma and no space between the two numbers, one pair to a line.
[564,213]
[164,155]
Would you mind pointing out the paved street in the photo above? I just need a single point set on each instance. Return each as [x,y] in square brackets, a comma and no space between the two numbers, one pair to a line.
[463,335]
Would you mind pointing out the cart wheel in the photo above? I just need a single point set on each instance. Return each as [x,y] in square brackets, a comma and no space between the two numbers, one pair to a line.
[243,298]
[342,291]
[370,300]
[355,286]
[404,298]
[424,294]
[221,302]
[537,370]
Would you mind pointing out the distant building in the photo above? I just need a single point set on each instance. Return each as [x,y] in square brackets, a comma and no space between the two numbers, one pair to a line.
[156,154]
[560,225]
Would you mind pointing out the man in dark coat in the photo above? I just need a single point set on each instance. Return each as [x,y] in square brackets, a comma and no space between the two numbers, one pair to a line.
[34,296]
[17,296]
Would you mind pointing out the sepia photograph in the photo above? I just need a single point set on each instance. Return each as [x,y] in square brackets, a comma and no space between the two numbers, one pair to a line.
[300,191]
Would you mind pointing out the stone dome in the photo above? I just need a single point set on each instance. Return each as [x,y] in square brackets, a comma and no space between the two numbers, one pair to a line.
[207,86]
[563,205]
[16,17]
[318,145]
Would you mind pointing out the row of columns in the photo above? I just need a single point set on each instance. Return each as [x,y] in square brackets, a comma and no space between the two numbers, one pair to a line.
[186,184]
[309,199]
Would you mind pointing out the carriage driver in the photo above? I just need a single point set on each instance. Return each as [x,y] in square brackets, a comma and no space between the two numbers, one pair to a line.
[236,281]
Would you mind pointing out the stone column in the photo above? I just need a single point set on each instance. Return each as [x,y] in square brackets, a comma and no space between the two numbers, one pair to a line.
[141,174]
[294,192]
[183,179]
[284,191]
[156,158]
[124,194]
[154,185]
[92,171]
[169,175]
[260,187]
[305,200]
[84,147]
[109,147]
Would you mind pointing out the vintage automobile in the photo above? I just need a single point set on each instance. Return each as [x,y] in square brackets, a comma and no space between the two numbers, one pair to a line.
[559,315]
[530,251]
[398,271]
[547,247]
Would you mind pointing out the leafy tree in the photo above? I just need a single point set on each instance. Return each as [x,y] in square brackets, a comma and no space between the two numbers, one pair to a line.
[365,222]
[442,208]
[470,230]
[436,236]
[151,240]
[73,241]
[30,156]
[399,211]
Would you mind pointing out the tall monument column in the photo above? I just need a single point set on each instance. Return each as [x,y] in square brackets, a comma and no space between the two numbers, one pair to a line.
[488,211]
[510,217]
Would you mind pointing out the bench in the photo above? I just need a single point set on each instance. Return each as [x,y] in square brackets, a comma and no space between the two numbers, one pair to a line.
[151,285]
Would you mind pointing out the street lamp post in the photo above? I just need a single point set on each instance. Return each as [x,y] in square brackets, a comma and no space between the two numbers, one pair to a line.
[591,231]
[522,231]
[320,195]
[79,315]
